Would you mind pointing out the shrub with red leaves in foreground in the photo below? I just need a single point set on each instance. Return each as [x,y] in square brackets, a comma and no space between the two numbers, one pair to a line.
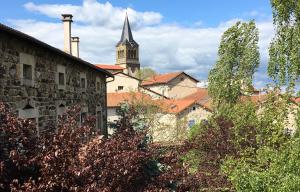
[78,158]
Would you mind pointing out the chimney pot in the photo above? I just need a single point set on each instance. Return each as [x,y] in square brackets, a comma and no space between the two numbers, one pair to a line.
[75,46]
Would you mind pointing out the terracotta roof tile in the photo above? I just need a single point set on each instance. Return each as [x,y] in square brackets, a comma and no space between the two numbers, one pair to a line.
[176,106]
[164,78]
[115,99]
[296,99]
[255,98]
[109,67]
[199,94]
[158,79]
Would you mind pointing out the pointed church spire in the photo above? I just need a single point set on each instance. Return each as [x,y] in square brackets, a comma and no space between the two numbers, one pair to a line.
[127,34]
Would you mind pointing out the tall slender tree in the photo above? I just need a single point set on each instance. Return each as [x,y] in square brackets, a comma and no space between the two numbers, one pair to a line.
[284,63]
[236,65]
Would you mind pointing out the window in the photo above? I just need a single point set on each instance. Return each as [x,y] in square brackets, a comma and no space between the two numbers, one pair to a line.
[191,123]
[26,69]
[30,113]
[120,88]
[134,54]
[27,72]
[83,117]
[61,78]
[82,83]
[98,86]
[194,108]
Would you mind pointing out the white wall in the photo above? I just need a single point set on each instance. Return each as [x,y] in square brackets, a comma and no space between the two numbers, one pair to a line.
[129,84]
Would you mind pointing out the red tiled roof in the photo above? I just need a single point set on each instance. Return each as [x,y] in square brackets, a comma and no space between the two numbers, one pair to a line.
[109,67]
[296,99]
[255,98]
[164,78]
[115,99]
[176,105]
[199,94]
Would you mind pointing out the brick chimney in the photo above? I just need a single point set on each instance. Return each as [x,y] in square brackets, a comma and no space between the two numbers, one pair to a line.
[67,20]
[75,46]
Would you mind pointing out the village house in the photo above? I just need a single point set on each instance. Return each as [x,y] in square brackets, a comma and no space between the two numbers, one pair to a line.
[39,82]
[181,103]
[177,93]
[174,85]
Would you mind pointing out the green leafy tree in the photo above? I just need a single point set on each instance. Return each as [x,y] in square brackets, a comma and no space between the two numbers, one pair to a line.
[271,169]
[284,63]
[145,73]
[238,60]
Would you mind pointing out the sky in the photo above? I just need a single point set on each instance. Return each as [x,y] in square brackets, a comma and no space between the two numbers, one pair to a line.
[174,35]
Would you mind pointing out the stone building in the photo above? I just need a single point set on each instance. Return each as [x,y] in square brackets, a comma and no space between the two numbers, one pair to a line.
[39,81]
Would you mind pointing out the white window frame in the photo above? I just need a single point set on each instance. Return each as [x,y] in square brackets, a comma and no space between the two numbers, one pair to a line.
[27,59]
[61,69]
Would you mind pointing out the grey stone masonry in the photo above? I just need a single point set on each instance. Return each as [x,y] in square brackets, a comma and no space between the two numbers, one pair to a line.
[40,82]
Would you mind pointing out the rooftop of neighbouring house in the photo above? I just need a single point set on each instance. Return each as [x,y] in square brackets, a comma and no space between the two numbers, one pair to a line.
[109,67]
[116,99]
[164,78]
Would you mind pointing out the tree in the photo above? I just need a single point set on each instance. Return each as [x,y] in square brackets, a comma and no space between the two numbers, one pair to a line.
[77,158]
[145,73]
[238,60]
[269,170]
[18,149]
[284,63]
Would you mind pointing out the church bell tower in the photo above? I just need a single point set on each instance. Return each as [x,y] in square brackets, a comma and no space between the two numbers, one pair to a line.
[127,51]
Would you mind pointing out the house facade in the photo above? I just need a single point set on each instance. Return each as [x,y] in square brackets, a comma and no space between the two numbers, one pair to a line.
[175,85]
[40,82]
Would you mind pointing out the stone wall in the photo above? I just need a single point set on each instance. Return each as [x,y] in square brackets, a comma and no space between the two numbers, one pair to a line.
[42,99]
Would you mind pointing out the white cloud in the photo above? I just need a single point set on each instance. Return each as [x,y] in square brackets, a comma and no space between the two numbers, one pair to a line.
[164,47]
[92,12]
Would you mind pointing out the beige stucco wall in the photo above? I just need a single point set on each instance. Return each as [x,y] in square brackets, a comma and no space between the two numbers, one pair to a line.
[182,86]
[151,94]
[129,84]
[161,89]
[112,117]
[174,127]
[164,129]
[194,112]
[179,87]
